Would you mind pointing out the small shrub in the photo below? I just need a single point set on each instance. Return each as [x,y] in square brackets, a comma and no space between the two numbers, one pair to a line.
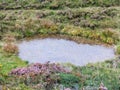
[47,24]
[2,79]
[2,16]
[105,36]
[48,27]
[39,74]
[0,65]
[9,45]
[118,49]
[9,38]
[68,80]
[10,48]
[54,5]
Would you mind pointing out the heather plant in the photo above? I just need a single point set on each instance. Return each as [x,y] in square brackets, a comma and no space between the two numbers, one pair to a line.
[8,38]
[49,25]
[9,45]
[95,20]
[10,48]
[55,4]
[39,75]
[39,69]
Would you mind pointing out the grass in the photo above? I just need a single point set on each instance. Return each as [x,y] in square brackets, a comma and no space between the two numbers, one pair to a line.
[26,23]
[10,62]
[91,21]
[102,72]
[55,4]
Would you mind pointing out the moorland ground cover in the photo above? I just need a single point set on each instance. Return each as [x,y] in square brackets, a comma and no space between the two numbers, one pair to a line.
[95,21]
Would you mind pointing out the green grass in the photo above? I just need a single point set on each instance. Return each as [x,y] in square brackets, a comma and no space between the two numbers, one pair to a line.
[104,72]
[26,23]
[9,62]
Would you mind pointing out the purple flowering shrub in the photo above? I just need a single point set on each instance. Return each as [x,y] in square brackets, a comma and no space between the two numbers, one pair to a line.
[39,75]
[38,68]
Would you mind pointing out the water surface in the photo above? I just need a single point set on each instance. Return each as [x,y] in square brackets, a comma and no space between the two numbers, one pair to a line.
[63,51]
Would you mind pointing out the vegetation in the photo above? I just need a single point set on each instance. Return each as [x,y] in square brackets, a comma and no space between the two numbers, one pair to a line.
[118,49]
[76,22]
[69,80]
[94,21]
[9,46]
[38,75]
[107,72]
[55,4]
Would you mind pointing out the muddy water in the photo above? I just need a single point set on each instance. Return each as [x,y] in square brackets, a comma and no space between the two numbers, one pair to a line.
[63,51]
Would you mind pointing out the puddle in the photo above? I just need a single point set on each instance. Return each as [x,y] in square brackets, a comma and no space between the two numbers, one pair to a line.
[63,51]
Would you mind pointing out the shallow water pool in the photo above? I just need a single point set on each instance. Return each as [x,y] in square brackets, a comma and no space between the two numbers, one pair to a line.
[63,51]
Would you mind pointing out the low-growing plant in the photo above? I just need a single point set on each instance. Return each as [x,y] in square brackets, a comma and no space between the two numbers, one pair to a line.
[118,49]
[43,74]
[9,45]
[105,36]
[2,78]
[69,80]
[10,48]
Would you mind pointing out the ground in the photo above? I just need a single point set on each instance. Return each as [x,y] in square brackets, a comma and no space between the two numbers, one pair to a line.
[91,21]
